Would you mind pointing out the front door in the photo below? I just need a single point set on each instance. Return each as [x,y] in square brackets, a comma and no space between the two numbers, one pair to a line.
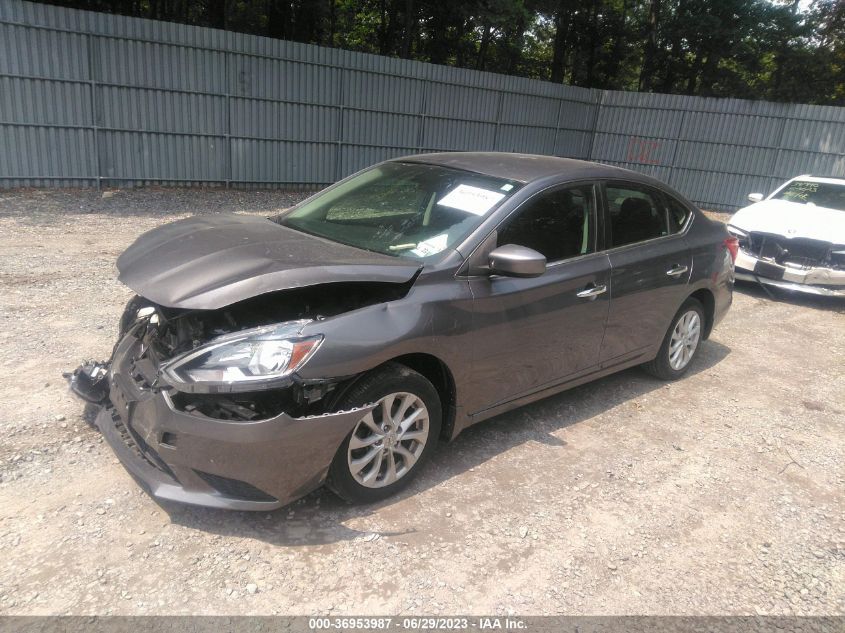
[535,332]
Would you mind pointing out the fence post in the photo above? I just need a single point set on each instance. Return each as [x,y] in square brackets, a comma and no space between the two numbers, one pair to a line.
[92,84]
[338,161]
[670,180]
[227,95]
[422,115]
[599,104]
[557,127]
[498,120]
[774,178]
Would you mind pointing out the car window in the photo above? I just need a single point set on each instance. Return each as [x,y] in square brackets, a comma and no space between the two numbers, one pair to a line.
[402,209]
[636,214]
[556,224]
[678,214]
[374,204]
[821,194]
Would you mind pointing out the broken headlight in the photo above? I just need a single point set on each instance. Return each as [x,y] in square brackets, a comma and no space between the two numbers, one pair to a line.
[245,360]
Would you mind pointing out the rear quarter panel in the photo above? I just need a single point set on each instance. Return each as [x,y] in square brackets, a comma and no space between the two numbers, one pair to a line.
[712,267]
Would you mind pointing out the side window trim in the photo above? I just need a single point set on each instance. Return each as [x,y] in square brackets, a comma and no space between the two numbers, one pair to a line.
[593,219]
[605,216]
[667,198]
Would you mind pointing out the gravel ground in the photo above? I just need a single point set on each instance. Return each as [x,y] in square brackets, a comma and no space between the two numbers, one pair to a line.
[723,493]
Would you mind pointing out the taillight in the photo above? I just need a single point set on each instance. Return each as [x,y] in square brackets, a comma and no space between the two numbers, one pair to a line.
[732,244]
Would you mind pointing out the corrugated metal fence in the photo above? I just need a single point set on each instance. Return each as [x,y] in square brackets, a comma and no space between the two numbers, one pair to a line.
[90,99]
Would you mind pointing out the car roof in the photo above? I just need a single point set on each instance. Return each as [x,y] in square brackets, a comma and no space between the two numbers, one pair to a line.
[525,167]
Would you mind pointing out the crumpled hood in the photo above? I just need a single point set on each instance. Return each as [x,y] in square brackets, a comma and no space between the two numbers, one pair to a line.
[791,220]
[208,262]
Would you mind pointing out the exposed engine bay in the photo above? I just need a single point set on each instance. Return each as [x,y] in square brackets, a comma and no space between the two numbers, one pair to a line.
[801,264]
[181,330]
[165,333]
[796,252]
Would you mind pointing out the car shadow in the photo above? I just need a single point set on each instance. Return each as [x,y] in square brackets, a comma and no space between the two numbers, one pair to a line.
[320,517]
[780,295]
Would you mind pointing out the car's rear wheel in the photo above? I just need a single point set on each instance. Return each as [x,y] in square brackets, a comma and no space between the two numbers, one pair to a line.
[390,444]
[681,342]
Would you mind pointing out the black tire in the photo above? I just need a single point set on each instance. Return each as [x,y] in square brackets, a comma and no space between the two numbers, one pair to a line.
[373,387]
[660,366]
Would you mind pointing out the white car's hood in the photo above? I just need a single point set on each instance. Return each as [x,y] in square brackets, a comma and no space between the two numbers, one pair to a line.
[791,219]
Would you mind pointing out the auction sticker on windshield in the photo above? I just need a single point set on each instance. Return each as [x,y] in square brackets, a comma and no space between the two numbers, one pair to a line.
[431,246]
[471,199]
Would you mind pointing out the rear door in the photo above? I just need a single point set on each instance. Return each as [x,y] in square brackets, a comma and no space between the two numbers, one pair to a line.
[650,268]
[532,333]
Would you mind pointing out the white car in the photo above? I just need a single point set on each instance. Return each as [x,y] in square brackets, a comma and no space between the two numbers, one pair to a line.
[795,238]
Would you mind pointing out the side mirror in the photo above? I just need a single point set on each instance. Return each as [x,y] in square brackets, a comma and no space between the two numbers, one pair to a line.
[755,197]
[511,260]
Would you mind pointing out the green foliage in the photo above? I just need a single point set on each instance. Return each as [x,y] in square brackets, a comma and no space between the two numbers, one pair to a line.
[751,49]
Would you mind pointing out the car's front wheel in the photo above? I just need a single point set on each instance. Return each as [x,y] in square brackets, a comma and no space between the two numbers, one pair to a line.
[390,444]
[681,342]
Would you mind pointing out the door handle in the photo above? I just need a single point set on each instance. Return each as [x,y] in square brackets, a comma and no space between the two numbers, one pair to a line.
[592,291]
[676,271]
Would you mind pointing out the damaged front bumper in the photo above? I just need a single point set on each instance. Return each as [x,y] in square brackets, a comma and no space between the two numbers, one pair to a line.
[191,458]
[90,381]
[811,280]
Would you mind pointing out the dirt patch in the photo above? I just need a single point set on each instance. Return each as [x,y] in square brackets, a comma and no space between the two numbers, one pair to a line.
[723,493]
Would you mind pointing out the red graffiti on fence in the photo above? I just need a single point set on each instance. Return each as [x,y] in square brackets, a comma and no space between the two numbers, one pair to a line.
[641,150]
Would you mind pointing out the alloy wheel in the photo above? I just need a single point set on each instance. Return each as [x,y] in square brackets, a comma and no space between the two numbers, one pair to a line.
[388,441]
[685,338]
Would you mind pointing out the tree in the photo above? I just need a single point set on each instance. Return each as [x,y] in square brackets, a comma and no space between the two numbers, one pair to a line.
[772,49]
[646,81]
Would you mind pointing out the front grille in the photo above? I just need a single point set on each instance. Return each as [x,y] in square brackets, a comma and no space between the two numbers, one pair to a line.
[800,252]
[234,489]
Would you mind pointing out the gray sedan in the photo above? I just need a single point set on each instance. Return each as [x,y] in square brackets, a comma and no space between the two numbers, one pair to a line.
[338,342]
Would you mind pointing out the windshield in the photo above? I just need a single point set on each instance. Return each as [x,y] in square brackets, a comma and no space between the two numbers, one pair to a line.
[402,209]
[821,194]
